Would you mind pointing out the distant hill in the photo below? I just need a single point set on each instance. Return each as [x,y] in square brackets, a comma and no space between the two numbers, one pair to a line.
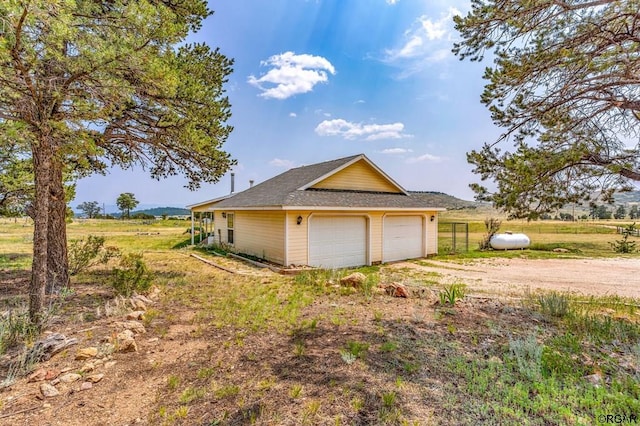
[169,211]
[627,197]
[440,199]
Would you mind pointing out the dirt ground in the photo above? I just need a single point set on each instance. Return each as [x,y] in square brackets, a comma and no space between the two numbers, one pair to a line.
[513,277]
[135,388]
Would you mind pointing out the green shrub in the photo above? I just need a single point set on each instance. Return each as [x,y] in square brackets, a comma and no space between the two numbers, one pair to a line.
[133,275]
[353,351]
[527,354]
[554,304]
[86,253]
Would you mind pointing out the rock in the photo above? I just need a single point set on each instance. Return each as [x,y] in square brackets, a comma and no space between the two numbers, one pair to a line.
[87,367]
[125,342]
[354,280]
[397,290]
[135,315]
[134,326]
[86,386]
[94,378]
[52,374]
[138,304]
[142,298]
[153,293]
[87,353]
[37,376]
[401,291]
[594,379]
[48,391]
[560,250]
[70,377]
[109,364]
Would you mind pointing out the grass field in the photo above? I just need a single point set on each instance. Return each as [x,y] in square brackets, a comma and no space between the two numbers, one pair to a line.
[581,238]
[267,349]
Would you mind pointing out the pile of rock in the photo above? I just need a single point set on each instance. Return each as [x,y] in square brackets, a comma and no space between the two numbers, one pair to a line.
[95,360]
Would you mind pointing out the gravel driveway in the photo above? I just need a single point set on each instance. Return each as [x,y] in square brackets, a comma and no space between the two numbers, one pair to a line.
[514,276]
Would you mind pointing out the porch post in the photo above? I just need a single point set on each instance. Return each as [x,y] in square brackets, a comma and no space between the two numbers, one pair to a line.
[192,229]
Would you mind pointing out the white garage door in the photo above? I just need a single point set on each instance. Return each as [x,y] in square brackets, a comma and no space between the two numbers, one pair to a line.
[403,237]
[337,241]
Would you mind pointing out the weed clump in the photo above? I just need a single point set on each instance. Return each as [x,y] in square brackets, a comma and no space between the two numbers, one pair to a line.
[132,275]
[86,253]
[527,354]
[452,293]
[554,304]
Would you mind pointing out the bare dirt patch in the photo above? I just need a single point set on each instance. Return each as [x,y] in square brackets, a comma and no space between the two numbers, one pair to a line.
[515,276]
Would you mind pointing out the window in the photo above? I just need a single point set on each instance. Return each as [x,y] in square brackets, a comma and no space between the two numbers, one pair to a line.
[230,228]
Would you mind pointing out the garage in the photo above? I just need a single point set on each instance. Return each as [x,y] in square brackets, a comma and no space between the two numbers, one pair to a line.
[403,238]
[337,241]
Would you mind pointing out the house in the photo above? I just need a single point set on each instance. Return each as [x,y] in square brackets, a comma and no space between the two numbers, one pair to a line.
[339,213]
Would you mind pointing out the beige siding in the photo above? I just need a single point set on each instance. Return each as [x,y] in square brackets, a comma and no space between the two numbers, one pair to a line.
[359,176]
[375,229]
[298,244]
[432,233]
[259,233]
[262,234]
[220,226]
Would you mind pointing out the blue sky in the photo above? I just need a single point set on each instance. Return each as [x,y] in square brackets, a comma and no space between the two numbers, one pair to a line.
[321,79]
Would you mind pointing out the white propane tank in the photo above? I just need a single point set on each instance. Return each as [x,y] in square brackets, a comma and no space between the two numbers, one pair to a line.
[509,240]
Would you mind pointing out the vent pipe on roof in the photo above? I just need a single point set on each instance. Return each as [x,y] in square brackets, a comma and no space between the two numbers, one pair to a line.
[233,183]
[251,183]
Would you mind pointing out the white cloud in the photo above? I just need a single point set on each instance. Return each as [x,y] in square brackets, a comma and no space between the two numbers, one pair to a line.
[321,112]
[277,162]
[424,157]
[428,41]
[392,2]
[395,151]
[352,131]
[293,114]
[291,74]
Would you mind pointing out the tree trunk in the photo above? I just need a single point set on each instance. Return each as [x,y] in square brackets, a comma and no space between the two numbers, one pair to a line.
[57,260]
[42,153]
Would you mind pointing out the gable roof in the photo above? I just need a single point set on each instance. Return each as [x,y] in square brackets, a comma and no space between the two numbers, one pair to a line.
[352,160]
[293,189]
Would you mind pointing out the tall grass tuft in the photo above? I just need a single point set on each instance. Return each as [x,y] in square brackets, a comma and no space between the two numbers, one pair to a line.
[554,304]
[527,354]
[15,327]
[452,293]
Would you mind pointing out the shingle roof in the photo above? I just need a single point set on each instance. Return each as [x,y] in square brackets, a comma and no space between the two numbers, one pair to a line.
[282,191]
